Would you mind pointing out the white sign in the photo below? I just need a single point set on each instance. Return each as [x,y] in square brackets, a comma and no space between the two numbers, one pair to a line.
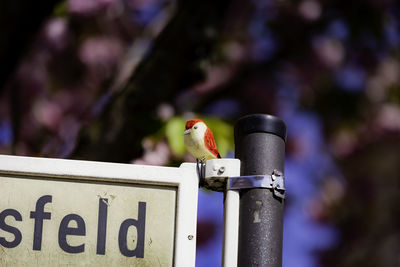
[64,212]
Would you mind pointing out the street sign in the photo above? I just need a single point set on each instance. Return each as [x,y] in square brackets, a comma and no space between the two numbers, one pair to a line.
[57,212]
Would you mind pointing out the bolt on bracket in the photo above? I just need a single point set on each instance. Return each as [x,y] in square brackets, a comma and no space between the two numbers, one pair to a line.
[217,171]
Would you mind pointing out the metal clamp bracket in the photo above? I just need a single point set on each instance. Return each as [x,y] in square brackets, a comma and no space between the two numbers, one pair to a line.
[275,181]
[221,175]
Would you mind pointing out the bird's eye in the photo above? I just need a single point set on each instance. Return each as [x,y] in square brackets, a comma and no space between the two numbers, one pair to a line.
[195,127]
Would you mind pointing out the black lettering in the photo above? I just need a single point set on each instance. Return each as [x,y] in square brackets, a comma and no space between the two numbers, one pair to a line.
[39,215]
[10,229]
[140,227]
[64,230]
[102,226]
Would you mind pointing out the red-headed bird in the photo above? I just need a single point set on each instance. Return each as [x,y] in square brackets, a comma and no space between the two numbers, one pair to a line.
[199,140]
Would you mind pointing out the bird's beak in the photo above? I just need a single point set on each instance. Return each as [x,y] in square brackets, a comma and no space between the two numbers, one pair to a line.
[186,132]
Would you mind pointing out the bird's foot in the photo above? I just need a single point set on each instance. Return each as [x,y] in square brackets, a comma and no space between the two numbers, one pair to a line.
[201,169]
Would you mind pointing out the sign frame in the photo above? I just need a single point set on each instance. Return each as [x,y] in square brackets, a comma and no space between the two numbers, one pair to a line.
[184,179]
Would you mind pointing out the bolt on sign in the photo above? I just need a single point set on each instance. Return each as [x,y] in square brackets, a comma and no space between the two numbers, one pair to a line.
[57,212]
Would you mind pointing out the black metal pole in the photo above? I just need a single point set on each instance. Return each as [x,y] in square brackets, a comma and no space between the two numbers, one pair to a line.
[260,145]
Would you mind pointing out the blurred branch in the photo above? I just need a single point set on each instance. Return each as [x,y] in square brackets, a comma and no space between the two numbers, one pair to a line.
[19,21]
[368,213]
[15,116]
[171,66]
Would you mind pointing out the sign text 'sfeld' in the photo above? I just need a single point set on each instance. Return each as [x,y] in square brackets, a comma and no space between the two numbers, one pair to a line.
[96,235]
[53,221]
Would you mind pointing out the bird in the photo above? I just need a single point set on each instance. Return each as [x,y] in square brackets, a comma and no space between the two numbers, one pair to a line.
[199,141]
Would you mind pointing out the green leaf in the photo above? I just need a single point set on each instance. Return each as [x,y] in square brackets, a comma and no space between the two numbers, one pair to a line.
[174,132]
[61,9]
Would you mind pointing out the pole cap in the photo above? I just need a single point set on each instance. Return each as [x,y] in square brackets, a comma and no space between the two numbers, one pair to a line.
[260,123]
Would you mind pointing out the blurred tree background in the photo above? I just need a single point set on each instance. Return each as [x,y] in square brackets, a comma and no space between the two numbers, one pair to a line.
[115,80]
